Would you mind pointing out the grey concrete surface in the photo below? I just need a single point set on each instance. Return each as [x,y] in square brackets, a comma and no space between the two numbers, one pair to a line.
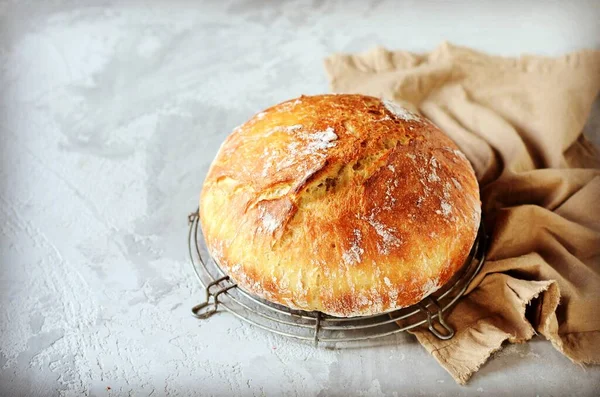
[110,113]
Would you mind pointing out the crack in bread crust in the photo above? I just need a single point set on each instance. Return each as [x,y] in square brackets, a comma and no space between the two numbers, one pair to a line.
[340,203]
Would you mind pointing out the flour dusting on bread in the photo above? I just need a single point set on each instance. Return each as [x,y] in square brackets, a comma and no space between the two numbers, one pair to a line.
[353,254]
[445,210]
[433,176]
[400,111]
[430,287]
[321,140]
[386,234]
[314,143]
[269,222]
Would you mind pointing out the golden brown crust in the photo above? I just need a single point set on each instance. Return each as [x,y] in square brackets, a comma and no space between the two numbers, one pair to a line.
[340,203]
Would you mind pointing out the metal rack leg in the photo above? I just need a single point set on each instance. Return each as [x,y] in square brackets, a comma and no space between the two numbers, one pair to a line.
[211,305]
[440,317]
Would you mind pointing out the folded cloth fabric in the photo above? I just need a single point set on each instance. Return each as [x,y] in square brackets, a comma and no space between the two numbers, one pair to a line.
[520,122]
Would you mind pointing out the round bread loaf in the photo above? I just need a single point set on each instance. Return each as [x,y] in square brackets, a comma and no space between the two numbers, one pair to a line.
[345,204]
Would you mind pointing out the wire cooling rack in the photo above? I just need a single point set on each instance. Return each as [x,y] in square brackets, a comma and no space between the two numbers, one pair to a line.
[223,294]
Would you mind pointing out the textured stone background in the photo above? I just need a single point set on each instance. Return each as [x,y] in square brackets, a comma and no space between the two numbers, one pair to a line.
[110,114]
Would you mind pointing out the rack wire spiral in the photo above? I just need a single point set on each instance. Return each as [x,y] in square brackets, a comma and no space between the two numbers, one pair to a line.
[223,293]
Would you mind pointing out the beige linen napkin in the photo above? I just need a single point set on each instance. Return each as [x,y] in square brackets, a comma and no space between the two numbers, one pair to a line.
[519,121]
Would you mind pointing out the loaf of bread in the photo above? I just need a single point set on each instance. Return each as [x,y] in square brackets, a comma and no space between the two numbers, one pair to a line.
[343,204]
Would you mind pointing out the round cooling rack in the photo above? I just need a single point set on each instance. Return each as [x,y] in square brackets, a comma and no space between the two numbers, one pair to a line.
[223,294]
